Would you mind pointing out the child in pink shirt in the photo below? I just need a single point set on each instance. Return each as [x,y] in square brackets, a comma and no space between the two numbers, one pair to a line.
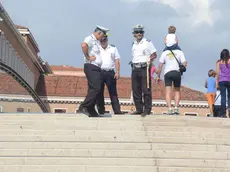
[153,70]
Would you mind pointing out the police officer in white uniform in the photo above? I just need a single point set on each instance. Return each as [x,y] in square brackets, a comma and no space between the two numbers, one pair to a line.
[110,74]
[92,70]
[143,52]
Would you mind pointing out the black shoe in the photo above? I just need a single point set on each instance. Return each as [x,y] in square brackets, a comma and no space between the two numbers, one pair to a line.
[119,113]
[83,110]
[93,113]
[145,113]
[136,113]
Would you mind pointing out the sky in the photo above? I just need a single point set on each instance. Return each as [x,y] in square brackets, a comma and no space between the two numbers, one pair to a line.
[60,26]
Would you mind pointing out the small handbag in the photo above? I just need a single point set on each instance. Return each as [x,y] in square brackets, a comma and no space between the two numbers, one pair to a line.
[182,68]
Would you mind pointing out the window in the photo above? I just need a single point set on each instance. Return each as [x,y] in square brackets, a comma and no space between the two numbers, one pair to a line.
[1,109]
[191,114]
[20,109]
[60,110]
[28,110]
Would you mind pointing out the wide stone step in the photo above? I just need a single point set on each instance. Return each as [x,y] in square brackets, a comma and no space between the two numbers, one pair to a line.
[73,125]
[206,134]
[103,153]
[128,139]
[191,169]
[83,138]
[23,132]
[76,168]
[89,168]
[76,161]
[115,118]
[26,116]
[81,145]
[105,124]
[185,129]
[114,146]
[198,163]
[79,168]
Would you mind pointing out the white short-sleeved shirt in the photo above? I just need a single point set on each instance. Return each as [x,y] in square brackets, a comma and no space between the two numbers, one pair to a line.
[109,55]
[169,60]
[93,50]
[170,39]
[141,51]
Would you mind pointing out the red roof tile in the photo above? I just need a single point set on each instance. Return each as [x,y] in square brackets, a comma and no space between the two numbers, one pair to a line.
[65,68]
[9,86]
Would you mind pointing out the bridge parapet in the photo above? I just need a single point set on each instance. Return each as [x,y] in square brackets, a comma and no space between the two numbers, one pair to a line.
[11,58]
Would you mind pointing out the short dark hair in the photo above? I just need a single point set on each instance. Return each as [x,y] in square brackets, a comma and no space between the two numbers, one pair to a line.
[172,29]
[211,73]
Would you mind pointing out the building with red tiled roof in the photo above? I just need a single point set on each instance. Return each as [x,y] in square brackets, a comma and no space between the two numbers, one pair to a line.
[64,92]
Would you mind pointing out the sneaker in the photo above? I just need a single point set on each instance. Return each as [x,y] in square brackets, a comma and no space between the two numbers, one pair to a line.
[136,113]
[211,115]
[170,112]
[176,111]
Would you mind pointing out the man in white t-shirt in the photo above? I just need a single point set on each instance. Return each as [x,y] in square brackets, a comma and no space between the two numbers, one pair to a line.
[172,75]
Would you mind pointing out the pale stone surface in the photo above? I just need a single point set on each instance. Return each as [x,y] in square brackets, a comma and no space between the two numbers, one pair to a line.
[76,161]
[190,169]
[75,145]
[70,143]
[193,163]
[77,168]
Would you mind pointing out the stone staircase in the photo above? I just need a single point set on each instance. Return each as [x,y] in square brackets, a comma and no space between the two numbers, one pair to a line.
[76,143]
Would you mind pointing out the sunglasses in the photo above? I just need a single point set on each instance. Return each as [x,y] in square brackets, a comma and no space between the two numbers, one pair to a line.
[136,32]
[104,40]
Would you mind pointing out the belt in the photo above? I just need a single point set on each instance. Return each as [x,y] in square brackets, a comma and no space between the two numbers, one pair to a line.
[107,70]
[139,65]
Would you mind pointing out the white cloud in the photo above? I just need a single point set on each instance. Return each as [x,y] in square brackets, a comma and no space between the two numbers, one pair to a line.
[197,11]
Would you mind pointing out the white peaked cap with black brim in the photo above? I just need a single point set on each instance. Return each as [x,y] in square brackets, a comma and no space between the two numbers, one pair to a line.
[103,29]
[138,27]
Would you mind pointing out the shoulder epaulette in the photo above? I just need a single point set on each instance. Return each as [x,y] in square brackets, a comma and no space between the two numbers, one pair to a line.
[148,40]
[112,45]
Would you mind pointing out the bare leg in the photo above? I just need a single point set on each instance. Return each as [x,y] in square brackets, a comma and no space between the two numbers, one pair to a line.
[177,96]
[168,93]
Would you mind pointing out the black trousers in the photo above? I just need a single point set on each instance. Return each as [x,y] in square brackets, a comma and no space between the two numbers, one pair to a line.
[111,83]
[139,87]
[93,75]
